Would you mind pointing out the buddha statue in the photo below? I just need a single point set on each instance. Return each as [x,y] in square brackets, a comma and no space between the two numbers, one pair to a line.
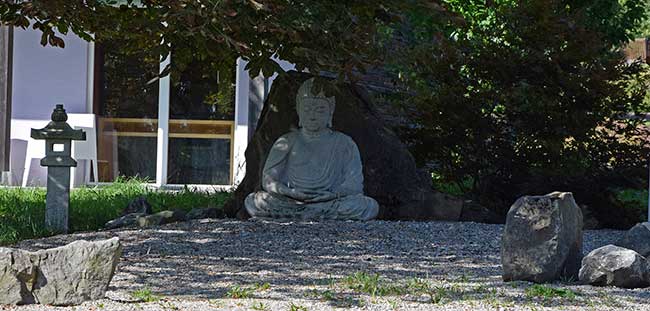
[313,173]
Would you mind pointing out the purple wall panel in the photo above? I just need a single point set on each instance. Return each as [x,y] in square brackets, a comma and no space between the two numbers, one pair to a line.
[44,76]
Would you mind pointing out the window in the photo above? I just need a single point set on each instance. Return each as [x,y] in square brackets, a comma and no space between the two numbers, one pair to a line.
[200,124]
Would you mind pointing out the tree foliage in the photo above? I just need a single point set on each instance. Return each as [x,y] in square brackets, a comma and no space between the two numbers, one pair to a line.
[338,36]
[517,97]
[529,97]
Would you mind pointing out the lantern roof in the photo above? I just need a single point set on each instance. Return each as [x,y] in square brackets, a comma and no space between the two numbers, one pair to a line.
[58,128]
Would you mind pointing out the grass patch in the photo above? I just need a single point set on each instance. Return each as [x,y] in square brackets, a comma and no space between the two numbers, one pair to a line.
[260,307]
[238,292]
[547,292]
[22,210]
[144,295]
[295,307]
[372,284]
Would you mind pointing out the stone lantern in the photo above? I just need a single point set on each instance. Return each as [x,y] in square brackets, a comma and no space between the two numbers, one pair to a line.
[58,136]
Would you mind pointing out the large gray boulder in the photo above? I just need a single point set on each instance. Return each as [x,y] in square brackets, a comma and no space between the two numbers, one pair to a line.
[391,176]
[611,265]
[67,275]
[637,239]
[542,239]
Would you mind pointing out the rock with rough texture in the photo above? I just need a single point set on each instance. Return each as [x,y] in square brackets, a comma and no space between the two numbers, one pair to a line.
[67,275]
[138,205]
[202,213]
[160,218]
[611,265]
[390,174]
[637,239]
[128,220]
[542,239]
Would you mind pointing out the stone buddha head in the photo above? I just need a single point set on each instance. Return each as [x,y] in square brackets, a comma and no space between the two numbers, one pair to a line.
[315,111]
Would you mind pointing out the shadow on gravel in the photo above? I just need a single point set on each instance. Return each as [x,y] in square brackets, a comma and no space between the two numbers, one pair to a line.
[207,259]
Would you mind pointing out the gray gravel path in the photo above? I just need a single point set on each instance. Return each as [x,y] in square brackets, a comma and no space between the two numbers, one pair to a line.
[201,265]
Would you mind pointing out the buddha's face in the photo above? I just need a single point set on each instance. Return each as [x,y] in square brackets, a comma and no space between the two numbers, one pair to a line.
[315,114]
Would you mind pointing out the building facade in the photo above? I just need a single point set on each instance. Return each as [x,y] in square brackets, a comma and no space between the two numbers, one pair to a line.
[188,128]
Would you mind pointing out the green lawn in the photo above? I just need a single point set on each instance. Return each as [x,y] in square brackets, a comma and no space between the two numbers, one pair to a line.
[22,210]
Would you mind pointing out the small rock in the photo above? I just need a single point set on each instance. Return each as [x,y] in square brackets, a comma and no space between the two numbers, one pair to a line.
[160,218]
[128,220]
[67,275]
[138,205]
[637,239]
[611,265]
[542,239]
[201,213]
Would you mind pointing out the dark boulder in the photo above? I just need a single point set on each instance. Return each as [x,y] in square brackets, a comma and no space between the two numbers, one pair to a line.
[542,239]
[615,266]
[390,173]
[637,239]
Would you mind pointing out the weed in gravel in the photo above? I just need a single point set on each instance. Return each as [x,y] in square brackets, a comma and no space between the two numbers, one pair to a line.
[328,295]
[372,284]
[260,307]
[608,300]
[547,292]
[168,305]
[238,292]
[295,307]
[216,303]
[144,295]
[440,294]
[262,286]
[463,278]
[329,281]
[417,285]
[494,299]
[437,294]
[336,299]
[393,304]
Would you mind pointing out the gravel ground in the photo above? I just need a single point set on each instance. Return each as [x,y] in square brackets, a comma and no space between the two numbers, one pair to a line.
[202,265]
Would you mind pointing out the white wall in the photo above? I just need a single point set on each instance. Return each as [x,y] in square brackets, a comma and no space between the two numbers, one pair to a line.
[43,77]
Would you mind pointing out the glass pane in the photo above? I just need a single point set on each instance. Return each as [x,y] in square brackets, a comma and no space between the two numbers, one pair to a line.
[126,103]
[199,161]
[202,106]
[132,161]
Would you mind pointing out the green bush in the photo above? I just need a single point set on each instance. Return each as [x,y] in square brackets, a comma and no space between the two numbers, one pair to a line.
[457,188]
[22,210]
[635,201]
[527,97]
